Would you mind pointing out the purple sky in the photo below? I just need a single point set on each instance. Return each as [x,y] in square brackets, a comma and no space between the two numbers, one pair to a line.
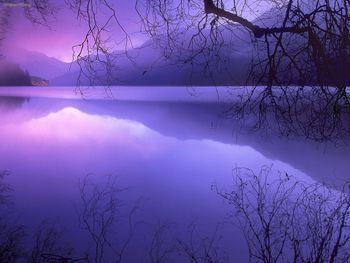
[65,31]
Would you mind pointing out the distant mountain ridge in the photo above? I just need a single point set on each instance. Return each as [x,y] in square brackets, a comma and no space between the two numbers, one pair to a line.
[38,64]
[152,65]
[145,65]
[148,65]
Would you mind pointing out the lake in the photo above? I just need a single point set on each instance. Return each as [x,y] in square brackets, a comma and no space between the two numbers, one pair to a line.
[156,156]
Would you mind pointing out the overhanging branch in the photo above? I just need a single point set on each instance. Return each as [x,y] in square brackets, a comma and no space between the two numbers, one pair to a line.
[211,8]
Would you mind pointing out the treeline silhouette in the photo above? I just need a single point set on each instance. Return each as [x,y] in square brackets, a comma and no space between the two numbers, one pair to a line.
[12,75]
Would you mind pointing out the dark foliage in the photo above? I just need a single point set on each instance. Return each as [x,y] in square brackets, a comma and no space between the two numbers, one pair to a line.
[13,75]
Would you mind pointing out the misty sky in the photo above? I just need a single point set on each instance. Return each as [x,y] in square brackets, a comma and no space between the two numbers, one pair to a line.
[66,30]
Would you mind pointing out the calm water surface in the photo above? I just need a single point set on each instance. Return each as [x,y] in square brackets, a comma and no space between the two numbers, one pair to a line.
[166,147]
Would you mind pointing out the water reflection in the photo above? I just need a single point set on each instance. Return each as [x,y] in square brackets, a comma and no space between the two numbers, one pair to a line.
[182,120]
[167,155]
[319,114]
[8,103]
[287,220]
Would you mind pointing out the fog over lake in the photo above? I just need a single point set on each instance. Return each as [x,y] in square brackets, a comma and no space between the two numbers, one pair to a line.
[168,148]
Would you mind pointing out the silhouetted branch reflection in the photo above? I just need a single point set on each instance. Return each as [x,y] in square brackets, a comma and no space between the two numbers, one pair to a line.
[48,243]
[5,189]
[283,220]
[11,233]
[162,248]
[99,213]
[203,249]
[287,220]
[314,113]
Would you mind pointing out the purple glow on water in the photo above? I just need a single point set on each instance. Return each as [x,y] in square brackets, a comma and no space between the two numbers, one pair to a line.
[49,144]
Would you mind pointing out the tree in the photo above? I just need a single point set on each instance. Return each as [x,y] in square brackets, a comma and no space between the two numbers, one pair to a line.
[295,42]
[287,220]
[302,43]
[11,233]
[99,213]
[12,75]
[319,114]
[292,44]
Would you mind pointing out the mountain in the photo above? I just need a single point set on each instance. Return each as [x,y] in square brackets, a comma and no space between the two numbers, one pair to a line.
[38,64]
[148,65]
[186,64]
[151,65]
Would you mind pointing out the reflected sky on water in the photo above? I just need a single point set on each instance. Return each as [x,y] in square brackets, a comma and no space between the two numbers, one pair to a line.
[166,153]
